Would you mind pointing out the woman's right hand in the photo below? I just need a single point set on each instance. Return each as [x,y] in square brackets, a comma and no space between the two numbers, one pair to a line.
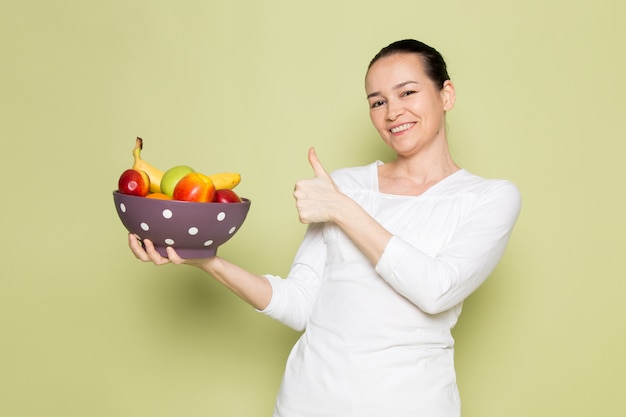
[144,250]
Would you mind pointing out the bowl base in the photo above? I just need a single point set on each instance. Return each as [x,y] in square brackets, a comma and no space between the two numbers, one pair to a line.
[189,253]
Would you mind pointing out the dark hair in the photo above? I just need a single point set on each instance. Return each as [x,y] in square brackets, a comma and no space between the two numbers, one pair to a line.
[434,64]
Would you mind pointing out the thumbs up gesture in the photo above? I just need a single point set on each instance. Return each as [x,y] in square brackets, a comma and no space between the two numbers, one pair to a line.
[316,198]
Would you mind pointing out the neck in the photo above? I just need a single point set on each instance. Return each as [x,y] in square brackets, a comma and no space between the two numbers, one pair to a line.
[424,167]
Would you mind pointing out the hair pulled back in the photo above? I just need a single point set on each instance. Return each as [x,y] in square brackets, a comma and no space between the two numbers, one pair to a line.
[434,64]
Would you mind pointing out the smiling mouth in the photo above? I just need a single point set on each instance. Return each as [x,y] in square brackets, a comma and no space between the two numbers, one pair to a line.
[401,128]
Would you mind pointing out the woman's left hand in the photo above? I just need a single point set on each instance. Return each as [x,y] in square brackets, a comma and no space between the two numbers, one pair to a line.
[317,198]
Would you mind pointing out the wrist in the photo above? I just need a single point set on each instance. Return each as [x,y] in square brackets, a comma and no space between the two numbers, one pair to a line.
[212,265]
[345,212]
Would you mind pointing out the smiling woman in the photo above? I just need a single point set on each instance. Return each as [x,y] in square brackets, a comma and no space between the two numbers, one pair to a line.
[409,93]
[390,254]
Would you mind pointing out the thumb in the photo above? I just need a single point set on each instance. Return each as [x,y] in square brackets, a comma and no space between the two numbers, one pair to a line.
[318,169]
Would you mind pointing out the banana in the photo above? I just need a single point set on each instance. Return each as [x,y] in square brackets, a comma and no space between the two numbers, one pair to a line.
[154,174]
[225,180]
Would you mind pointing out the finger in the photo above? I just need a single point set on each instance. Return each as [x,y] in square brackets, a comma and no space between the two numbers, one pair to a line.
[154,255]
[318,169]
[173,256]
[136,246]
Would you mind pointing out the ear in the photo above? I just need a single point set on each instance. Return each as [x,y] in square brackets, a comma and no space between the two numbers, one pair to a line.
[448,95]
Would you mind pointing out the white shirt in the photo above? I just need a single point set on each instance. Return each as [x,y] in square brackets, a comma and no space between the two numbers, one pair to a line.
[377,340]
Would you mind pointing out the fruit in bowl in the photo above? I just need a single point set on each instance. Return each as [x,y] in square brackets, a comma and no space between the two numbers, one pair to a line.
[192,212]
[172,176]
[194,187]
[134,182]
[226,196]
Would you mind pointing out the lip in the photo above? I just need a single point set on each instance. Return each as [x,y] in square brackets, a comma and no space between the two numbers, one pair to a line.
[404,127]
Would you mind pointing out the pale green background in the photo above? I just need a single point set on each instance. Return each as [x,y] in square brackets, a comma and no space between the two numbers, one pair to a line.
[86,330]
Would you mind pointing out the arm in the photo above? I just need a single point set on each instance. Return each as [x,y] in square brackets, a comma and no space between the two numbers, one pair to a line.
[254,289]
[433,283]
[293,298]
[438,283]
[289,301]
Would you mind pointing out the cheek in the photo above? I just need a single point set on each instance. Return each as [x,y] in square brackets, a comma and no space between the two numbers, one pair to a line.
[378,120]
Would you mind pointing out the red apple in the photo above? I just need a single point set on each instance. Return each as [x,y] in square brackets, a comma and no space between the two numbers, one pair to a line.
[194,187]
[226,196]
[134,182]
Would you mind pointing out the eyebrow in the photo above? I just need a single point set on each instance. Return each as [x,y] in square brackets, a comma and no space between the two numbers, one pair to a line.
[395,87]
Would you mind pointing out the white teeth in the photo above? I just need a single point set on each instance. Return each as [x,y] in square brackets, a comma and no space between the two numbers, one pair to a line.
[401,128]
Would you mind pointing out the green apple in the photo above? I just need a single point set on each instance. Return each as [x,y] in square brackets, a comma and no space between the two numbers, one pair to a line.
[172,176]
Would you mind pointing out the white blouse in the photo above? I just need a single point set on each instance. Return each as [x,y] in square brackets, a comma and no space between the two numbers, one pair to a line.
[377,340]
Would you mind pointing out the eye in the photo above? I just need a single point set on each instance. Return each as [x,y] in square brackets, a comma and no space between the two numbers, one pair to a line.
[408,93]
[375,104]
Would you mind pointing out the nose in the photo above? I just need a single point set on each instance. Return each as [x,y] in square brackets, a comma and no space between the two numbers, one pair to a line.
[394,110]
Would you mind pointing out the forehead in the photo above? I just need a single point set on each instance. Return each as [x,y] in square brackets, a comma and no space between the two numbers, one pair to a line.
[394,69]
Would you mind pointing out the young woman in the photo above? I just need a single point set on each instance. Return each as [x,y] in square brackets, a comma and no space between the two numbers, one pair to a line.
[390,253]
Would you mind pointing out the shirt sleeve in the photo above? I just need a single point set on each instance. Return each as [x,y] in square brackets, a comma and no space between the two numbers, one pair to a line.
[438,283]
[293,298]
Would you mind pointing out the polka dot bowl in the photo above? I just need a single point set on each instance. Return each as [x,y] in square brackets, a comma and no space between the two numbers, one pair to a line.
[195,230]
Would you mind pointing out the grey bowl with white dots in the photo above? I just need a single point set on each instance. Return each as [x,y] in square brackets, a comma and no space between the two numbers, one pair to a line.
[195,230]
